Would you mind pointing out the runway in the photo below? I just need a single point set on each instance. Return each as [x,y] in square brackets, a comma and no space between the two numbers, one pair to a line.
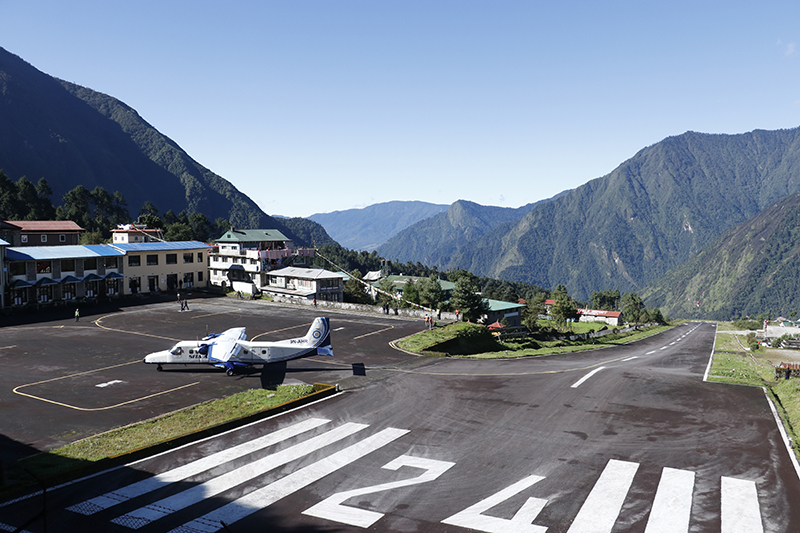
[622,439]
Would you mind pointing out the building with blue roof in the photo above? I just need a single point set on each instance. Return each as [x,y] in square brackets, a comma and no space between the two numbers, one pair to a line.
[43,275]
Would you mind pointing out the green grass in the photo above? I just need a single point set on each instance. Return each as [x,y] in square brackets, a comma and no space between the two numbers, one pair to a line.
[77,455]
[733,364]
[427,341]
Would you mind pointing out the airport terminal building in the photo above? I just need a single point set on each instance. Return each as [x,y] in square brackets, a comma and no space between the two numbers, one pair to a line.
[52,275]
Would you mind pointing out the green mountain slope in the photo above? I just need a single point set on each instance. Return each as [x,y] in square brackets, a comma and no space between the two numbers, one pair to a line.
[72,136]
[652,213]
[432,241]
[752,268]
[368,228]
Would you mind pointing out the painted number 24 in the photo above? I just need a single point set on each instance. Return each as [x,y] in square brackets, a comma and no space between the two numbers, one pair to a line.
[332,508]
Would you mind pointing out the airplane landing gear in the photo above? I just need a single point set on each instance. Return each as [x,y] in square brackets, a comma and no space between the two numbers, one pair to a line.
[229,371]
[159,368]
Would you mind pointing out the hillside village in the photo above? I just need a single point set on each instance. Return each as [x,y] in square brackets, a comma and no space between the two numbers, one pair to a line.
[45,267]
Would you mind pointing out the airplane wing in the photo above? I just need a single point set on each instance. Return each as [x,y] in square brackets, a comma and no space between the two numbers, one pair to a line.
[225,346]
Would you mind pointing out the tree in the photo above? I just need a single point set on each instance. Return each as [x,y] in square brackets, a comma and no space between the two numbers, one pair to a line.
[535,307]
[564,309]
[432,293]
[411,292]
[201,227]
[467,301]
[608,300]
[354,289]
[8,198]
[77,207]
[178,232]
[632,307]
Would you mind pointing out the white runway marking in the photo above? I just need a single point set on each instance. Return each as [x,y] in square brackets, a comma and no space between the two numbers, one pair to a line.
[191,469]
[602,506]
[587,376]
[473,517]
[672,507]
[113,382]
[740,510]
[663,347]
[149,513]
[651,352]
[631,358]
[265,496]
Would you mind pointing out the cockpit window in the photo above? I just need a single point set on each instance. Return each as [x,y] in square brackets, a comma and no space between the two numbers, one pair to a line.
[176,350]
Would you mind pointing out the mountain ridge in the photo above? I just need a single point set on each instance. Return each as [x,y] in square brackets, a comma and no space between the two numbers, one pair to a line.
[72,135]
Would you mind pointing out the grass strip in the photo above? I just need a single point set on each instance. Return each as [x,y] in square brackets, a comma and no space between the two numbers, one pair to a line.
[80,455]
[733,363]
[423,342]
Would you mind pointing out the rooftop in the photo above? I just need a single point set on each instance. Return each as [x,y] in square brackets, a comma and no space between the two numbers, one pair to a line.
[44,253]
[253,235]
[45,225]
[306,273]
[158,246]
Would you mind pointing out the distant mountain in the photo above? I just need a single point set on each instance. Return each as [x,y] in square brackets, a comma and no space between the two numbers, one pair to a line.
[433,241]
[369,227]
[752,268]
[652,213]
[71,135]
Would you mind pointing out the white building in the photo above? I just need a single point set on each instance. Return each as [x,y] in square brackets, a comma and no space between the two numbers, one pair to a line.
[133,233]
[306,283]
[243,258]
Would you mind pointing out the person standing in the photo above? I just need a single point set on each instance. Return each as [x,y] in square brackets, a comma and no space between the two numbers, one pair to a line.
[77,314]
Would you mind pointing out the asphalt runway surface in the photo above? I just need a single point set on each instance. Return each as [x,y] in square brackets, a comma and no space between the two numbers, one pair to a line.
[621,439]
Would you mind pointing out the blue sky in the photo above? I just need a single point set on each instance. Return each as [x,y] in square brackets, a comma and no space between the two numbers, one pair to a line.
[320,106]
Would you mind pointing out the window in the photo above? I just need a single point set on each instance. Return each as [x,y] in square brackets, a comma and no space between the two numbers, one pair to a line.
[199,277]
[188,258]
[188,279]
[67,265]
[44,238]
[90,263]
[199,257]
[172,259]
[134,261]
[16,268]
[62,238]
[43,267]
[24,238]
[110,262]
[152,259]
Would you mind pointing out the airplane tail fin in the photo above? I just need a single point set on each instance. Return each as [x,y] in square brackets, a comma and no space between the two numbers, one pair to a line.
[319,335]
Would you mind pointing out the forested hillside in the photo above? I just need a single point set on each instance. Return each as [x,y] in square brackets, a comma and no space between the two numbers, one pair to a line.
[432,241]
[753,268]
[71,136]
[652,213]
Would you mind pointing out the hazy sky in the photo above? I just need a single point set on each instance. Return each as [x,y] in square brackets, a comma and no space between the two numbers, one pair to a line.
[320,106]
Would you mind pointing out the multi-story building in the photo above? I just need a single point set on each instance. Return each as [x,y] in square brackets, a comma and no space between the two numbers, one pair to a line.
[48,274]
[306,283]
[57,274]
[164,266]
[243,258]
[41,232]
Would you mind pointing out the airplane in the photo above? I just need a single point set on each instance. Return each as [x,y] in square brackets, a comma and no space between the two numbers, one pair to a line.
[231,350]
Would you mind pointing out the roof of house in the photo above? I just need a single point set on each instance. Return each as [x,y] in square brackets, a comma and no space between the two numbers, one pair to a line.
[159,246]
[499,305]
[252,235]
[45,253]
[398,281]
[4,243]
[306,273]
[45,225]
[600,312]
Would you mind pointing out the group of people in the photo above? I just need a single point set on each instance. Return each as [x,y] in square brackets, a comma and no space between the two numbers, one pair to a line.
[430,322]
[184,303]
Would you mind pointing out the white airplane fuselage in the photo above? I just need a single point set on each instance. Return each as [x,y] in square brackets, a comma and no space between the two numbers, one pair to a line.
[230,349]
